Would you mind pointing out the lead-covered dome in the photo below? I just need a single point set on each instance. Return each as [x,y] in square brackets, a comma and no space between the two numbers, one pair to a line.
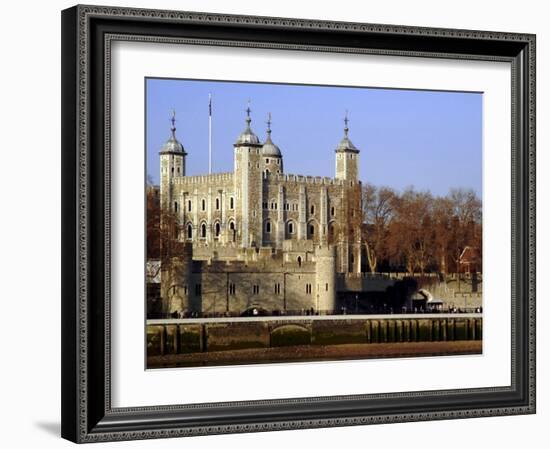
[346,145]
[173,145]
[248,137]
[269,149]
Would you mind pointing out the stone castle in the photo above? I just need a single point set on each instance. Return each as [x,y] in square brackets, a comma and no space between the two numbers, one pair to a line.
[258,238]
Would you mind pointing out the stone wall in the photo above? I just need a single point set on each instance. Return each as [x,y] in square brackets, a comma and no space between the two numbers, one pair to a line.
[182,336]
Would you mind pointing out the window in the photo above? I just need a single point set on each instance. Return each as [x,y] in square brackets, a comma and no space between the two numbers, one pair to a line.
[233,232]
[217,204]
[267,172]
[308,289]
[231,203]
[189,205]
[291,227]
[267,161]
[189,231]
[255,289]
[217,229]
[299,260]
[277,288]
[203,203]
[268,227]
[232,289]
[312,209]
[185,289]
[203,231]
[175,206]
[198,289]
[311,230]
[264,204]
[332,211]
[326,287]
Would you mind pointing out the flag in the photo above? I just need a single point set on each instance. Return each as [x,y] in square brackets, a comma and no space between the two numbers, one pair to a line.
[210,104]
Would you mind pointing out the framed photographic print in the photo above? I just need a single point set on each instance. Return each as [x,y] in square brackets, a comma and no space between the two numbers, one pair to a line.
[284,223]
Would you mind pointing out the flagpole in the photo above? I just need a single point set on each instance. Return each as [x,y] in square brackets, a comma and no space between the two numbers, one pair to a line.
[209,134]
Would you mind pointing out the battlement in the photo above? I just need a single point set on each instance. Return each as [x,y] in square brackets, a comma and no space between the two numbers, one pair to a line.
[306,179]
[212,179]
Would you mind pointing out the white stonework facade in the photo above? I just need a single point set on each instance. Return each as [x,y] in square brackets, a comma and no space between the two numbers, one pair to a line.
[257,236]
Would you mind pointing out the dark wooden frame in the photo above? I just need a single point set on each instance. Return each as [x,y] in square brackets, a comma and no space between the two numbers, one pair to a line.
[87,414]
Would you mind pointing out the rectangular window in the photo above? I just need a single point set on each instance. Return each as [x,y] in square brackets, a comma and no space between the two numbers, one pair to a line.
[198,289]
[232,289]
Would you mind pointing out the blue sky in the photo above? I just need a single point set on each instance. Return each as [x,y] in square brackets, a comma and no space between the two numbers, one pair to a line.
[426,139]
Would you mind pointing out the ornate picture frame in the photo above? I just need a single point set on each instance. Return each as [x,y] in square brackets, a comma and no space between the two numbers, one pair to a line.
[87,35]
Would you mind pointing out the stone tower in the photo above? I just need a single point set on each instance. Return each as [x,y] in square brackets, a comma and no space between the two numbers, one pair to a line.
[347,157]
[347,168]
[271,154]
[172,164]
[248,185]
[325,278]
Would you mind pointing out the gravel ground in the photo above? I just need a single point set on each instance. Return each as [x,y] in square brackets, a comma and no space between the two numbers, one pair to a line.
[316,353]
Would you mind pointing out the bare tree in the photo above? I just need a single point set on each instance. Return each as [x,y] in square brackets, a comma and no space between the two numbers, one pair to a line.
[378,206]
[411,232]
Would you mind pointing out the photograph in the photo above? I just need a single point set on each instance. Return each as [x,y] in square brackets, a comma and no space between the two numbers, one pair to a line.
[301,223]
[278,218]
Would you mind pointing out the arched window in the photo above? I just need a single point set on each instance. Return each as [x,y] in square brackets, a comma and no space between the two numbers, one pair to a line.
[233,231]
[312,209]
[217,204]
[311,230]
[231,203]
[331,232]
[203,231]
[268,227]
[332,211]
[203,204]
[189,231]
[290,227]
[267,172]
[217,229]
[299,260]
